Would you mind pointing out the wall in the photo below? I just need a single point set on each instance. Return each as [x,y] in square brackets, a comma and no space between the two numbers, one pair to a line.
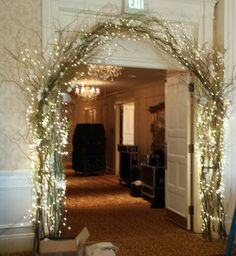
[197,17]
[17,15]
[219,26]
[143,97]
[15,186]
[229,8]
[225,39]
[16,18]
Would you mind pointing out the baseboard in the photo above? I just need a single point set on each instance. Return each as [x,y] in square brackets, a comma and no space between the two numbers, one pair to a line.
[16,243]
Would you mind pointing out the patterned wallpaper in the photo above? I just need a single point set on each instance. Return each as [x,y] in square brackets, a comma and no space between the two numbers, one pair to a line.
[15,16]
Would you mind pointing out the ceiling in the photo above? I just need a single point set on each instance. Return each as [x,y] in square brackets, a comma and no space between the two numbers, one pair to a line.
[129,78]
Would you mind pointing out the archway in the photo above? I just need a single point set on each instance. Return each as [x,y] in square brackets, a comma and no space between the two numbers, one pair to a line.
[46,80]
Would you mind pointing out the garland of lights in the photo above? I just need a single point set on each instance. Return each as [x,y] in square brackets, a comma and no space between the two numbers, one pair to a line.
[47,79]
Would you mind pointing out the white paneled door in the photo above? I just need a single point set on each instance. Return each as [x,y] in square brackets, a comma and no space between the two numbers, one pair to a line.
[178,173]
[128,124]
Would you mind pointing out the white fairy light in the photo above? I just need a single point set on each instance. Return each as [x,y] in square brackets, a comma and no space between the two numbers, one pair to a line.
[47,115]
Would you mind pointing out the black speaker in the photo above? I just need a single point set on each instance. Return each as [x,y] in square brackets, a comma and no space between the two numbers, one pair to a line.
[129,170]
[153,179]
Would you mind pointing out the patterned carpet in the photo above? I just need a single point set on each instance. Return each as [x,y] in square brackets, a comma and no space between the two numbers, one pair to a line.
[97,191]
[113,215]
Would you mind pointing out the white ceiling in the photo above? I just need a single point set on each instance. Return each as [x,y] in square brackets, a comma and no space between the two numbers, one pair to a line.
[129,78]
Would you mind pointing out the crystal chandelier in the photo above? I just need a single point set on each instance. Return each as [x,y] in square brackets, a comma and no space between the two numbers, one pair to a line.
[87,92]
[104,72]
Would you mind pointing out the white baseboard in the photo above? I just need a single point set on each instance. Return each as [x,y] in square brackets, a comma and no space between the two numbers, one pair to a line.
[17,243]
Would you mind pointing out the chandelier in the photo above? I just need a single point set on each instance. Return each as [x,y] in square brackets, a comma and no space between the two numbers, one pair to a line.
[104,72]
[87,92]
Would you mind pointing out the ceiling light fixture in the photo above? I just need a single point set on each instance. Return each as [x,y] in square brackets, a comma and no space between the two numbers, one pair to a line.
[87,92]
[104,72]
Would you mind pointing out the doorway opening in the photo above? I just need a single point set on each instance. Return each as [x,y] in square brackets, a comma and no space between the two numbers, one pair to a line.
[126,119]
[124,128]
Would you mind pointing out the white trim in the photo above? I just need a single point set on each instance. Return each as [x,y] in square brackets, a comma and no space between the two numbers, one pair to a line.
[16,242]
[135,62]
[17,172]
[199,17]
[196,15]
[15,187]
[31,234]
[15,179]
[16,225]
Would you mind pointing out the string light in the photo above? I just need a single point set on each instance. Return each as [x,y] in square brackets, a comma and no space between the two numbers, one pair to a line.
[87,92]
[104,72]
[47,117]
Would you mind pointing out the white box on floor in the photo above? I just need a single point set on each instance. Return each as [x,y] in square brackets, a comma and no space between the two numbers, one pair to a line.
[100,249]
[63,247]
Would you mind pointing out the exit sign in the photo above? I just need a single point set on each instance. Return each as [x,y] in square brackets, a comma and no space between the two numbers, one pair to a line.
[133,6]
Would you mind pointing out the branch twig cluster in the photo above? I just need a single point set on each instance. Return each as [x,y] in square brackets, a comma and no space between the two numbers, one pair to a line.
[45,76]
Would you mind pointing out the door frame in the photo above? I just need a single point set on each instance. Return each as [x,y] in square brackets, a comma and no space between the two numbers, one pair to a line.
[195,223]
[117,120]
[148,60]
[126,106]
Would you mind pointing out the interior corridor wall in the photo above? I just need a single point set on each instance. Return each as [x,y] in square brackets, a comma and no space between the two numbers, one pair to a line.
[228,10]
[143,97]
[18,18]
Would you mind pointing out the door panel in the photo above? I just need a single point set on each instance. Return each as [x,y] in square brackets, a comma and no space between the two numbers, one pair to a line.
[128,124]
[178,192]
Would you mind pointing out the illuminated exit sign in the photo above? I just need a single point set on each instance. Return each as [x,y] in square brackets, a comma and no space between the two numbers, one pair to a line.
[136,4]
[133,6]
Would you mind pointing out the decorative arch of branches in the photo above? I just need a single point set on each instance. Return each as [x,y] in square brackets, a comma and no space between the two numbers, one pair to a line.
[47,80]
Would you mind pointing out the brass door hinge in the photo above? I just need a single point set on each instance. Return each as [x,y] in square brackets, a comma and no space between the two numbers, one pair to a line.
[191,148]
[190,210]
[191,87]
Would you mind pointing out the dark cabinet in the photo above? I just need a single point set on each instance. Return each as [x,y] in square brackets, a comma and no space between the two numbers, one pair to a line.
[129,170]
[153,187]
[89,150]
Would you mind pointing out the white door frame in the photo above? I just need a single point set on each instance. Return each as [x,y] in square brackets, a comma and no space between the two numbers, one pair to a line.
[117,138]
[128,123]
[117,131]
[200,28]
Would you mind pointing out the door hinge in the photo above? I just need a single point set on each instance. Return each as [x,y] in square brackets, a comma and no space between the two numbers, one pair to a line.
[191,87]
[190,210]
[191,148]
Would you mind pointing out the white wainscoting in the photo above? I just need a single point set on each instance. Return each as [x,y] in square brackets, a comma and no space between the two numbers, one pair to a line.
[16,232]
